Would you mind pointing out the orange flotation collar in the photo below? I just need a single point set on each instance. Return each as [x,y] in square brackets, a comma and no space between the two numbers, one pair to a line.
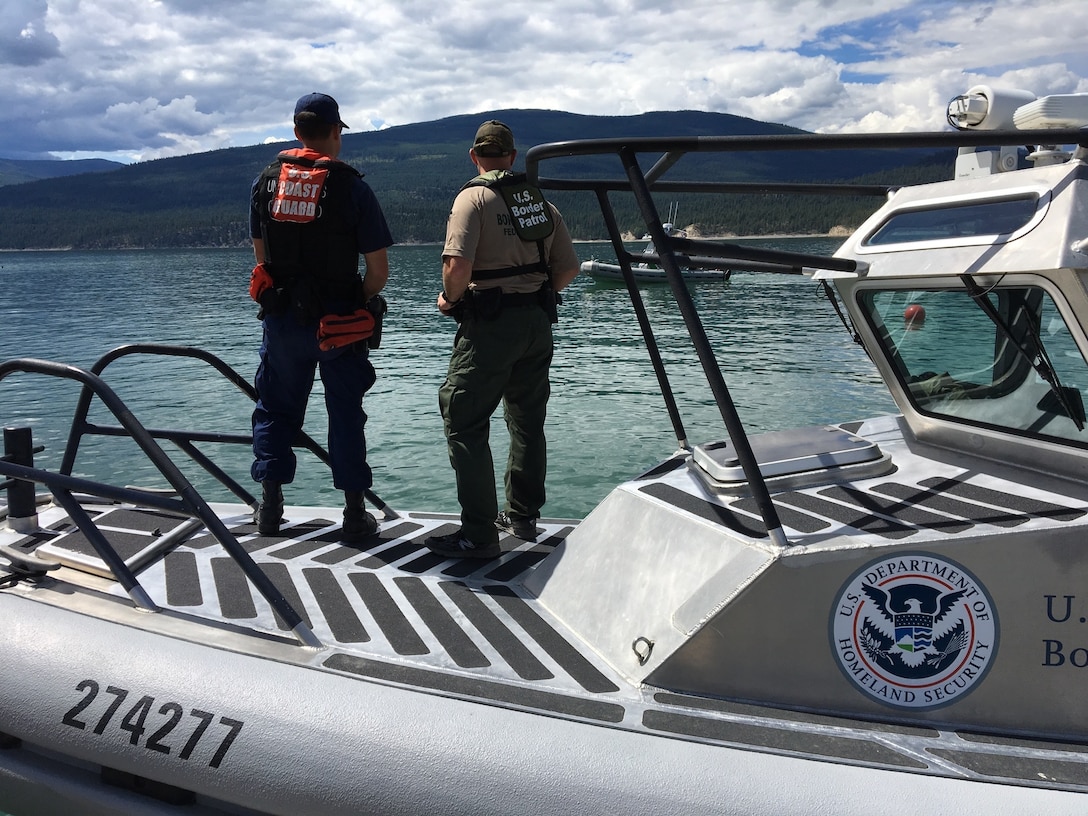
[334,331]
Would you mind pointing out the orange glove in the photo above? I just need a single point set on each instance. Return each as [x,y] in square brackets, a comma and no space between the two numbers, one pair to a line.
[259,281]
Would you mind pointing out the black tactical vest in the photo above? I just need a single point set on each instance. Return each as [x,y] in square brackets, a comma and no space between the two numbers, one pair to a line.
[308,224]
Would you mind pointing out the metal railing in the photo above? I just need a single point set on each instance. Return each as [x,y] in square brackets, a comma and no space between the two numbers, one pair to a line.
[19,471]
[673,252]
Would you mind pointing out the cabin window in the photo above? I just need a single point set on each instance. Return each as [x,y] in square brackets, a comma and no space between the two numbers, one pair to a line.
[997,217]
[957,361]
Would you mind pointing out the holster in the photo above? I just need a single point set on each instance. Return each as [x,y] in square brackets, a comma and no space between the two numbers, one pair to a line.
[377,307]
[549,301]
[272,300]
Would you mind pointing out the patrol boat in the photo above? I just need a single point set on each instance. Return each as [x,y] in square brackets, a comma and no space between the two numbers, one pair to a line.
[647,269]
[879,615]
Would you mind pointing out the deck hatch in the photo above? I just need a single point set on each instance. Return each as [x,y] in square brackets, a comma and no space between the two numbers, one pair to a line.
[138,537]
[785,453]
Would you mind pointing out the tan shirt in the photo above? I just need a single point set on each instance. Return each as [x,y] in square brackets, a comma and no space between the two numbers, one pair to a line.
[479,229]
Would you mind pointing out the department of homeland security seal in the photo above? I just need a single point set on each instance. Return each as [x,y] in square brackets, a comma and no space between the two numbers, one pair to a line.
[914,630]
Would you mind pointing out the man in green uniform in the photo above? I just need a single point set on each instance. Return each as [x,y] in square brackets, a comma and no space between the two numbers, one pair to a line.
[507,254]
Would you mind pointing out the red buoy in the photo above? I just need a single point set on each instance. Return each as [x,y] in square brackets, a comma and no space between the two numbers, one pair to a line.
[914,316]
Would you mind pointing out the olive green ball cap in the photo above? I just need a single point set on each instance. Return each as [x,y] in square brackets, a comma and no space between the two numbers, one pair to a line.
[493,139]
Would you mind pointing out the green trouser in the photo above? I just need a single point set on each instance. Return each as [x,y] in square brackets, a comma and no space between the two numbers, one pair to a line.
[502,360]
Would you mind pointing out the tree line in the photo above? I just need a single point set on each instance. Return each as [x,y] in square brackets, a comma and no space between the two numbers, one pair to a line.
[201,200]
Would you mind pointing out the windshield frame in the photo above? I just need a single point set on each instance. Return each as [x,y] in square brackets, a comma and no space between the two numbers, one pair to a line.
[1012,401]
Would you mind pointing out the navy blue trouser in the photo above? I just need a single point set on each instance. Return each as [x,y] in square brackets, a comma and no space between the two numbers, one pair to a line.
[289,359]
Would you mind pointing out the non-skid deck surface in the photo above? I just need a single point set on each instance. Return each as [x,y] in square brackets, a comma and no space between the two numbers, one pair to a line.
[889,508]
[385,597]
[391,611]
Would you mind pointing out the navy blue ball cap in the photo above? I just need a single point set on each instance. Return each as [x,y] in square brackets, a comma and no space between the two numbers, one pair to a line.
[323,106]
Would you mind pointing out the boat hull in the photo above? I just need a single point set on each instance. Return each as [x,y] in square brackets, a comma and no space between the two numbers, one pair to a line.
[651,274]
[357,744]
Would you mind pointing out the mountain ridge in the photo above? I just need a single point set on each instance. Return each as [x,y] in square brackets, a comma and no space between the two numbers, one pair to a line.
[20,171]
[201,199]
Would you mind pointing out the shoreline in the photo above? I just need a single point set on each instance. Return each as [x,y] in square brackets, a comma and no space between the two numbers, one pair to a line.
[773,236]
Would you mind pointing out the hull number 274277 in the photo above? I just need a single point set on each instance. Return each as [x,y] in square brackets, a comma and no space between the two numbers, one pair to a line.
[164,728]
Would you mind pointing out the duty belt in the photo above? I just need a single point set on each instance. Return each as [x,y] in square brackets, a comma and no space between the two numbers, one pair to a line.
[520,299]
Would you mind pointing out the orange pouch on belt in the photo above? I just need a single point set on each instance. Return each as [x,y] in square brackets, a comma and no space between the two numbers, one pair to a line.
[259,281]
[339,330]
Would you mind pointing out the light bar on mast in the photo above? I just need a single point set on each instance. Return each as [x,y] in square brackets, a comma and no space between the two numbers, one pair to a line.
[983,108]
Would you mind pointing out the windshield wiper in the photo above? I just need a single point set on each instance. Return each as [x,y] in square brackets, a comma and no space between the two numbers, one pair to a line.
[1038,359]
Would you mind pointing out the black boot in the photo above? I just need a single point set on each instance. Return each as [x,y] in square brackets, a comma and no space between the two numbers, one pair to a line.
[269,512]
[358,524]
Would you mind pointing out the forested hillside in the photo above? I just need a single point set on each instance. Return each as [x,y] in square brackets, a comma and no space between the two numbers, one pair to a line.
[201,199]
[21,171]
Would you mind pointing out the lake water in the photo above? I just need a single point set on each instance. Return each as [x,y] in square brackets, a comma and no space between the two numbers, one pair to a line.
[787,360]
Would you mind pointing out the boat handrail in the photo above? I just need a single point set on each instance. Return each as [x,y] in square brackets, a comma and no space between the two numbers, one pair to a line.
[188,501]
[673,149]
[670,250]
[183,439]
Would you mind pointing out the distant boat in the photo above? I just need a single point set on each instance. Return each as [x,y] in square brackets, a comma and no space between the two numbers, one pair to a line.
[648,272]
[651,274]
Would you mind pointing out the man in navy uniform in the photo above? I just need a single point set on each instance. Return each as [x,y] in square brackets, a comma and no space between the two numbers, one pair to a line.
[311,217]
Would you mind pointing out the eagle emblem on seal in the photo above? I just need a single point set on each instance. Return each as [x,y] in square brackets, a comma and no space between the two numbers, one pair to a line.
[916,633]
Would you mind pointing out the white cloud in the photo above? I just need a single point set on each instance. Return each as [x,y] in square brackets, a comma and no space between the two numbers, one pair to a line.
[150,78]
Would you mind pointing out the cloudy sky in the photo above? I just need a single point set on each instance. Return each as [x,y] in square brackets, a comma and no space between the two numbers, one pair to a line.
[140,79]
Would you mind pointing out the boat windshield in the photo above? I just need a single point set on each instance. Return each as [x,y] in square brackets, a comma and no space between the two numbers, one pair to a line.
[1016,368]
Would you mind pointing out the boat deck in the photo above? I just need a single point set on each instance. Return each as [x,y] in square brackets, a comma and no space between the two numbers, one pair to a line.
[389,611]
